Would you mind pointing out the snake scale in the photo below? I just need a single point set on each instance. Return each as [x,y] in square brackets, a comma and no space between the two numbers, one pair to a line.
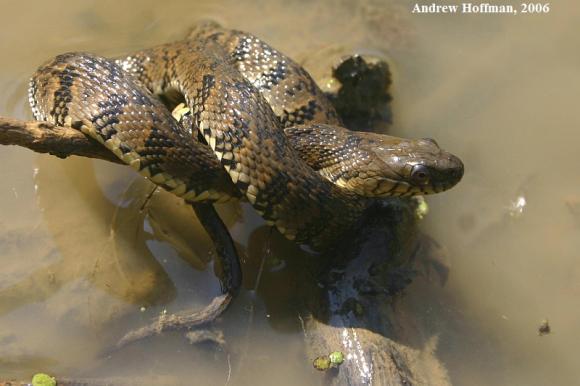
[258,125]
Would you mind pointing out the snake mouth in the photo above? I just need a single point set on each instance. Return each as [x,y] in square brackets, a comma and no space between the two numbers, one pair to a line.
[387,187]
[437,183]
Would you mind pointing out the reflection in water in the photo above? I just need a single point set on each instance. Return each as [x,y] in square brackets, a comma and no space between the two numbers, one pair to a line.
[497,90]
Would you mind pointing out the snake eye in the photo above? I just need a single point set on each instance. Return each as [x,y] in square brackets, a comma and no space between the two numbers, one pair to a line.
[420,174]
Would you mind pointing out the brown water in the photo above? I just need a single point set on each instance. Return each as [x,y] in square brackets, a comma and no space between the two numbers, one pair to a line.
[81,263]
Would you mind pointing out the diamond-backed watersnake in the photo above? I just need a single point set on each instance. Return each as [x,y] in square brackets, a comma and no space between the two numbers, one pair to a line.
[269,128]
[243,96]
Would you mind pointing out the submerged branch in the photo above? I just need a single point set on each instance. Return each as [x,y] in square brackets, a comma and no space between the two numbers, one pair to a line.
[183,320]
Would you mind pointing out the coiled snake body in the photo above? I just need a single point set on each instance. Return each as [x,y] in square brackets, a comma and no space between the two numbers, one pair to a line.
[269,128]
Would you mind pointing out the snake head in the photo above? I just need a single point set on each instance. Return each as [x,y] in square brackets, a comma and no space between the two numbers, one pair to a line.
[376,165]
[406,167]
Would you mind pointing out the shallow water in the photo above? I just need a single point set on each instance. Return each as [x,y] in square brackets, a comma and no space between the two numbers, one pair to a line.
[81,263]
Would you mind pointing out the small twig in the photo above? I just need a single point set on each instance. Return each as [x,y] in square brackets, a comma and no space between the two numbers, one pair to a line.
[265,256]
[148,199]
[229,371]
[179,321]
[303,325]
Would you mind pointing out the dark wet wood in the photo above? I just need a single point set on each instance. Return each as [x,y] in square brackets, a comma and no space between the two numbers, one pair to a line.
[357,312]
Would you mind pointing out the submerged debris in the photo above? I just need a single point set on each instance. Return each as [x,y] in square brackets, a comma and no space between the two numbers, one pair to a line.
[336,358]
[322,363]
[544,328]
[516,207]
[422,208]
[573,204]
[206,336]
[325,362]
[41,379]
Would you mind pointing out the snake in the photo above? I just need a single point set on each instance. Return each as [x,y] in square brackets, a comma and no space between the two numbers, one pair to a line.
[257,127]
[222,115]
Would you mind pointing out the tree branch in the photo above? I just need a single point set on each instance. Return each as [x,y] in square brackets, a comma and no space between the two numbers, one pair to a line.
[44,137]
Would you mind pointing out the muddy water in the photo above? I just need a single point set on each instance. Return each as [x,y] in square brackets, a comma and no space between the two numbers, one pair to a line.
[85,256]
